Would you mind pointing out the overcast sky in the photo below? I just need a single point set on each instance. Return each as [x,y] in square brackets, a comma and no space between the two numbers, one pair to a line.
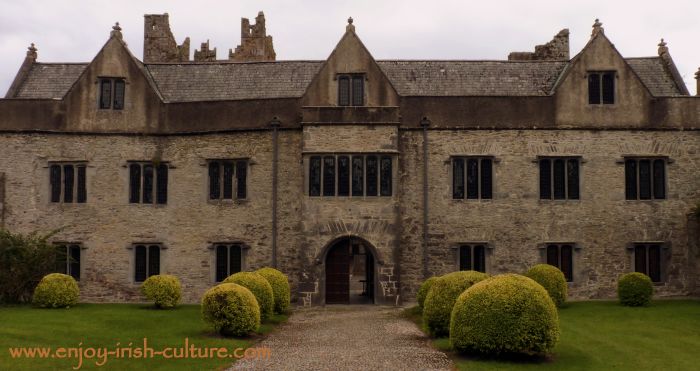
[75,30]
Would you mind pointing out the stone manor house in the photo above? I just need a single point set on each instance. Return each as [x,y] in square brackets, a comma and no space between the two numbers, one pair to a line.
[357,177]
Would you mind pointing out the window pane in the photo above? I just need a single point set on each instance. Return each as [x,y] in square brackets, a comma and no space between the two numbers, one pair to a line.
[640,259]
[118,94]
[241,179]
[358,91]
[659,179]
[214,181]
[228,180]
[221,262]
[655,263]
[236,260]
[593,88]
[343,176]
[344,91]
[329,176]
[385,176]
[572,179]
[75,262]
[139,263]
[134,183]
[553,255]
[644,179]
[480,258]
[358,176]
[315,176]
[458,178]
[55,180]
[162,190]
[609,88]
[82,188]
[545,179]
[631,179]
[371,175]
[486,178]
[61,258]
[68,180]
[559,185]
[472,178]
[148,184]
[465,258]
[153,260]
[105,93]
[567,262]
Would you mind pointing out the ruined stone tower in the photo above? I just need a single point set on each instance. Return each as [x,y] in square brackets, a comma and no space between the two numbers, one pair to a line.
[159,44]
[555,50]
[255,44]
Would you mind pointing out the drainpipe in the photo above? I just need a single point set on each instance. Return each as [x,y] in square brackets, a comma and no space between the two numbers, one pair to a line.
[425,123]
[274,124]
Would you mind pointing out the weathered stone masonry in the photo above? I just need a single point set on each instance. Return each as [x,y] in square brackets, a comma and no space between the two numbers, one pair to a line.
[251,106]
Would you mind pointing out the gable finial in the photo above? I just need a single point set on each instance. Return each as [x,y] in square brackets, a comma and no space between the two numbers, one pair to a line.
[116,31]
[350,27]
[31,52]
[663,49]
[597,28]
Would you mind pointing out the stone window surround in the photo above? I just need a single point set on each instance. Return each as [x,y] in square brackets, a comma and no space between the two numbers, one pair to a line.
[47,186]
[132,259]
[98,84]
[128,182]
[665,257]
[83,250]
[616,95]
[488,254]
[450,175]
[306,157]
[669,161]
[575,257]
[350,76]
[581,168]
[211,246]
[204,163]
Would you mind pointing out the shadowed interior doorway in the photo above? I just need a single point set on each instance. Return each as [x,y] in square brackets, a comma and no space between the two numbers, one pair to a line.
[349,272]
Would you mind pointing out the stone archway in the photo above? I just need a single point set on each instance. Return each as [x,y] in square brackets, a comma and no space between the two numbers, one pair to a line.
[350,272]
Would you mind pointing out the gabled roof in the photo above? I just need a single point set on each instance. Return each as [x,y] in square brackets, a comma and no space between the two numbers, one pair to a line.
[50,80]
[653,74]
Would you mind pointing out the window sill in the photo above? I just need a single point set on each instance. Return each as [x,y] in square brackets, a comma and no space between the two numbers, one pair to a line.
[647,201]
[159,206]
[471,200]
[228,202]
[546,201]
[350,198]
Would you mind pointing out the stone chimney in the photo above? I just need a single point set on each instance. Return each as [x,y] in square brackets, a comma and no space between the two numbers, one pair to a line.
[555,50]
[255,45]
[159,44]
[697,84]
[23,72]
[204,54]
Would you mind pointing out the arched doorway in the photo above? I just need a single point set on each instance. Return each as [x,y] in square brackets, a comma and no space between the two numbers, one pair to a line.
[349,272]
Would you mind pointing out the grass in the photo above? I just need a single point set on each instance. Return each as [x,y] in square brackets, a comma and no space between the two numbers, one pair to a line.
[599,335]
[105,325]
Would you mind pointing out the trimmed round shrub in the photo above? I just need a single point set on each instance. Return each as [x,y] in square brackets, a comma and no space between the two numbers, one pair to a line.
[258,285]
[423,291]
[56,290]
[163,290]
[552,279]
[280,288]
[506,314]
[231,309]
[635,289]
[441,298]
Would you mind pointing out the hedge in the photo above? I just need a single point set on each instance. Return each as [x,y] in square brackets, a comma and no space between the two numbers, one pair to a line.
[56,290]
[280,287]
[163,290]
[423,291]
[552,279]
[635,289]
[441,298]
[231,309]
[258,285]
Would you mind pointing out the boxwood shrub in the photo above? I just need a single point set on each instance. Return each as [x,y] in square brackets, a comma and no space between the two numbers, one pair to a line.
[552,279]
[163,290]
[231,309]
[56,290]
[423,291]
[635,289]
[258,285]
[505,314]
[280,287]
[441,298]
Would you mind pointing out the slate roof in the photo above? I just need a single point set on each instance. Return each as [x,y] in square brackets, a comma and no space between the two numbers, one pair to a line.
[289,79]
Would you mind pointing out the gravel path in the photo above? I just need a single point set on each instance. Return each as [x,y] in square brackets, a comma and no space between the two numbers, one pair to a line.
[353,337]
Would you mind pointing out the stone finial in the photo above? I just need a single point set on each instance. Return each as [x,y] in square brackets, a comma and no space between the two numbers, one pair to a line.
[350,27]
[116,31]
[597,28]
[663,49]
[697,74]
[31,52]
[697,78]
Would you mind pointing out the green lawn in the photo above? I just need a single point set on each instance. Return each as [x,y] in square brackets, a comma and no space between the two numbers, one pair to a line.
[599,335]
[105,325]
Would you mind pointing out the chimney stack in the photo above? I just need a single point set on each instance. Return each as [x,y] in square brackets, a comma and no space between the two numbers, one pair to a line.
[159,44]
[697,79]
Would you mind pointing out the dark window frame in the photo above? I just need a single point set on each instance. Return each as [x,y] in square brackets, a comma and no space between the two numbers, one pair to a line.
[114,97]
[657,182]
[229,248]
[602,87]
[461,174]
[232,179]
[475,252]
[348,95]
[317,172]
[149,185]
[150,268]
[559,188]
[558,258]
[655,270]
[59,182]
[66,261]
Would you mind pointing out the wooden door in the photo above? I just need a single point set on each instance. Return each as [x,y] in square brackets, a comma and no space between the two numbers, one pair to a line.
[338,273]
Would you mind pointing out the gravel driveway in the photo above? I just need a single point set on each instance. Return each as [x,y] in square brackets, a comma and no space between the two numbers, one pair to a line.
[352,337]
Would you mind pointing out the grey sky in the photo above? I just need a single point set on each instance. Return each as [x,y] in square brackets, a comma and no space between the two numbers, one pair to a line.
[74,31]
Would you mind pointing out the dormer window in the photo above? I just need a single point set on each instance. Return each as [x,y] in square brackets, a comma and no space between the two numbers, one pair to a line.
[112,93]
[351,90]
[601,87]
